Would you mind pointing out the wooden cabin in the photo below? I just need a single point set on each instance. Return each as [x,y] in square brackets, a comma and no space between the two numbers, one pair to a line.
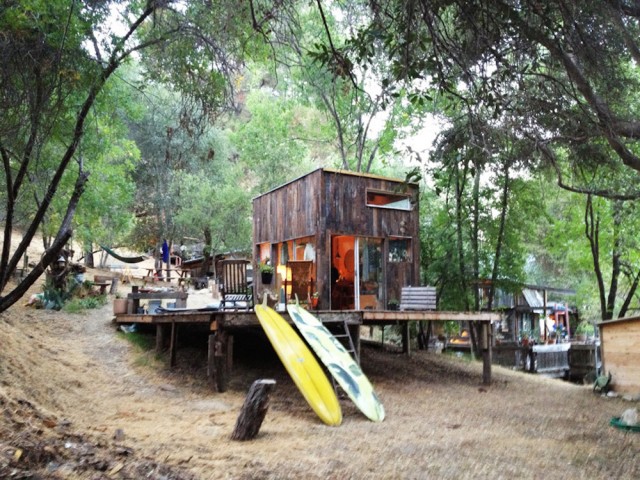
[349,238]
[620,354]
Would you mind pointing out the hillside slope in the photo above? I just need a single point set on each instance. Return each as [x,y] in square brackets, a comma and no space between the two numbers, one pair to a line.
[78,400]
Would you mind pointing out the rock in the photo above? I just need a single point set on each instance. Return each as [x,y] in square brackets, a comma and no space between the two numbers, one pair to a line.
[631,398]
[118,436]
[630,417]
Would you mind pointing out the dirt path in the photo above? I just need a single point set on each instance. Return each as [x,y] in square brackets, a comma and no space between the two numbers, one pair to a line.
[441,423]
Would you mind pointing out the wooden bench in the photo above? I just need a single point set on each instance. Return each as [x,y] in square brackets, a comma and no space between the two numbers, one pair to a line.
[418,298]
[421,299]
[103,281]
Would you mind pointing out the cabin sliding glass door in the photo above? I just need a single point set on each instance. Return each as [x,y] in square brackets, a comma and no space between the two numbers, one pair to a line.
[357,273]
[369,274]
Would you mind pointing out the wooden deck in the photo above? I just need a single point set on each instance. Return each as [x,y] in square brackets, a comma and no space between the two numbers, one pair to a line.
[222,325]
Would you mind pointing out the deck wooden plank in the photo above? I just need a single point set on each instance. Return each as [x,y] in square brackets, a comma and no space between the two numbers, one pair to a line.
[370,316]
[157,318]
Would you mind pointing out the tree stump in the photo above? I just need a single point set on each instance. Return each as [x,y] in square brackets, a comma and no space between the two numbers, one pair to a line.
[254,410]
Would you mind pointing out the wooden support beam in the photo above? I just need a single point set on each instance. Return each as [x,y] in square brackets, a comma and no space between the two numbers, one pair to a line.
[219,360]
[406,347]
[486,354]
[211,366]
[160,340]
[172,346]
[253,410]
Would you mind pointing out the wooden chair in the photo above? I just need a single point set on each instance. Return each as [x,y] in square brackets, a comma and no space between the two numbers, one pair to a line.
[419,298]
[301,283]
[235,290]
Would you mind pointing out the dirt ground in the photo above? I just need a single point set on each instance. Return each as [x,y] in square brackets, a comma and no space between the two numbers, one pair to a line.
[78,400]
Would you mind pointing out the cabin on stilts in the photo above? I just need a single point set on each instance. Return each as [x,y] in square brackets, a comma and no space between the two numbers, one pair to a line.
[346,244]
[338,240]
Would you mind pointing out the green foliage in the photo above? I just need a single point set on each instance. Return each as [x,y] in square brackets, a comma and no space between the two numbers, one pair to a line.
[585,328]
[266,267]
[53,298]
[79,305]
[268,143]
[142,341]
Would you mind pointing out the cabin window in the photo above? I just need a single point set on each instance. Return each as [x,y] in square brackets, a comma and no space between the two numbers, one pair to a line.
[399,250]
[395,201]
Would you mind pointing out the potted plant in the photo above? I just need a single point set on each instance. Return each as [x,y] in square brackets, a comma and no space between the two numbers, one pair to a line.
[119,305]
[393,304]
[314,300]
[266,271]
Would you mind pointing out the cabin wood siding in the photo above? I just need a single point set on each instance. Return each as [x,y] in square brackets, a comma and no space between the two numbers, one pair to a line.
[327,202]
[620,353]
[288,212]
[345,207]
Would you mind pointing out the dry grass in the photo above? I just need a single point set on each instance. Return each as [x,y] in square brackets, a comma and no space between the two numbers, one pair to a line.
[69,382]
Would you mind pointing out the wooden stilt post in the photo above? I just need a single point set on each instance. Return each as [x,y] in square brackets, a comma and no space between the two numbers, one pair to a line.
[160,330]
[406,347]
[229,359]
[219,360]
[172,347]
[486,354]
[253,410]
[211,365]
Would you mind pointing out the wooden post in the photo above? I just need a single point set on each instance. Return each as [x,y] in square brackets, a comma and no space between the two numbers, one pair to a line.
[486,354]
[172,344]
[406,347]
[160,329]
[219,360]
[114,285]
[253,410]
[211,366]
[229,355]
[136,301]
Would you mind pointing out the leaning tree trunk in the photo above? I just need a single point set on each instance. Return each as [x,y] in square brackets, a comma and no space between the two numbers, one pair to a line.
[592,232]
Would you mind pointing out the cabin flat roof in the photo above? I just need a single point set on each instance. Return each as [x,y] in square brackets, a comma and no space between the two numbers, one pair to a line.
[339,172]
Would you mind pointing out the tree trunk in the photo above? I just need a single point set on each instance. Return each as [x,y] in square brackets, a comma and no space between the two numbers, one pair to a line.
[254,410]
[499,240]
[592,232]
[461,273]
[474,238]
[206,252]
[615,258]
[88,256]
[629,297]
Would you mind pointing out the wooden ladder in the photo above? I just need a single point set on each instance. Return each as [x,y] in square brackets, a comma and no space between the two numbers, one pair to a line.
[346,340]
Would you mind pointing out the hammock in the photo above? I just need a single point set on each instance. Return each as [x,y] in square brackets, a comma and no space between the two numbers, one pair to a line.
[138,259]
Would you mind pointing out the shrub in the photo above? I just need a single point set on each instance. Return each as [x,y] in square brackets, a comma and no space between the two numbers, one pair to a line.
[585,328]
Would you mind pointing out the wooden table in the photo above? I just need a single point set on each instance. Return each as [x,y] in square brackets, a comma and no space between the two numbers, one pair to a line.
[103,286]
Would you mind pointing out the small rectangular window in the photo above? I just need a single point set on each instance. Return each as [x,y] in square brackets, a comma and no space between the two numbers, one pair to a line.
[399,250]
[394,201]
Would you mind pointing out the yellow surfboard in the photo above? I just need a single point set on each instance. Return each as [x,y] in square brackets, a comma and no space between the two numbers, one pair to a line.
[301,365]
